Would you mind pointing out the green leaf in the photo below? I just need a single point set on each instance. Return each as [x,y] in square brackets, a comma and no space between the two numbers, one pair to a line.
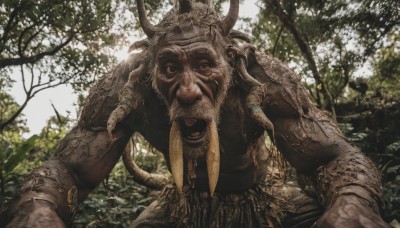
[20,153]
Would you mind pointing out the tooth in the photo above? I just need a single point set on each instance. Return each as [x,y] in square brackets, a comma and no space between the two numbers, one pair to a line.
[213,157]
[176,155]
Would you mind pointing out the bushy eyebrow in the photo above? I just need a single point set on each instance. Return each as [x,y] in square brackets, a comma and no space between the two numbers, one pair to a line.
[192,52]
[167,53]
[203,52]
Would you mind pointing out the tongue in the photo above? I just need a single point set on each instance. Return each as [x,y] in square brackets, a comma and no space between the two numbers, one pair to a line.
[195,134]
[190,122]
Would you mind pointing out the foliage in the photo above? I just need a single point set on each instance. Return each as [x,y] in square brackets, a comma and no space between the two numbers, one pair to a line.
[328,41]
[11,160]
[71,33]
[50,43]
[386,77]
[116,203]
[120,200]
[374,128]
[13,147]
[18,155]
[391,171]
[8,106]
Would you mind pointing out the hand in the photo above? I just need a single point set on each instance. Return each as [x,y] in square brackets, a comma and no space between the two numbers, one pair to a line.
[37,214]
[350,211]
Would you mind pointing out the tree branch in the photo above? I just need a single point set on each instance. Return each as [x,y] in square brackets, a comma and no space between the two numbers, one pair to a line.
[345,68]
[369,50]
[32,59]
[30,93]
[4,124]
[10,24]
[277,40]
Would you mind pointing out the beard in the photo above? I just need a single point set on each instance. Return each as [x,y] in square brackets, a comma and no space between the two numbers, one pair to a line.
[202,109]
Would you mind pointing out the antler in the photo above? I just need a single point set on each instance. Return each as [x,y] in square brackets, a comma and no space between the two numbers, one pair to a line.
[148,28]
[230,19]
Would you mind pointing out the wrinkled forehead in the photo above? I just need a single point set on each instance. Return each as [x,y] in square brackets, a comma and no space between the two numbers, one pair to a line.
[191,50]
[194,38]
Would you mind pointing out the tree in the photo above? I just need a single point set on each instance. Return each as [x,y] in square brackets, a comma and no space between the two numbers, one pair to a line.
[328,40]
[8,138]
[57,42]
[385,80]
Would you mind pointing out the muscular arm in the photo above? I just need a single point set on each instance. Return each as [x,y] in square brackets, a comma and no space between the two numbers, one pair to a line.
[314,145]
[75,171]
[85,157]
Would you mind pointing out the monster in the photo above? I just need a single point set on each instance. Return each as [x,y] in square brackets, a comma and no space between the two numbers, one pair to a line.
[200,93]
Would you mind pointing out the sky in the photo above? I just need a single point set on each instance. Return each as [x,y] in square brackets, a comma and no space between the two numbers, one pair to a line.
[39,109]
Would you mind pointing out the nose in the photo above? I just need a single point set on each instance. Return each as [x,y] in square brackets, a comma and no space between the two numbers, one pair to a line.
[188,91]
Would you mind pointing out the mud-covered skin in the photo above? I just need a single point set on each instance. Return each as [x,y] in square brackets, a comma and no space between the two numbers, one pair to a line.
[44,189]
[305,135]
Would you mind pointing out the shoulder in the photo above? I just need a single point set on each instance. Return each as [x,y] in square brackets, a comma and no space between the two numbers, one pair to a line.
[285,92]
[103,96]
[275,70]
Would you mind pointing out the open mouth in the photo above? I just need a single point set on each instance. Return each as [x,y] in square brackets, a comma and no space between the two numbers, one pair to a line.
[193,130]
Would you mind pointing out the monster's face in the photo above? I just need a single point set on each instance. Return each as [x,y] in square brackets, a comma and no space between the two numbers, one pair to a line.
[191,73]
[193,78]
[187,56]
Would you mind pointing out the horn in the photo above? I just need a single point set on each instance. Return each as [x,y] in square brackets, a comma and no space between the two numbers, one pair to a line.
[230,19]
[148,28]
[240,35]
[185,6]
[140,176]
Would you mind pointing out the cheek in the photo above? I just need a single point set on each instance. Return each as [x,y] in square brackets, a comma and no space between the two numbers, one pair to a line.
[216,83]
[166,87]
[222,81]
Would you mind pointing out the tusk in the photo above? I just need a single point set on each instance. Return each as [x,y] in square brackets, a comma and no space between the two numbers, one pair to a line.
[213,157]
[176,155]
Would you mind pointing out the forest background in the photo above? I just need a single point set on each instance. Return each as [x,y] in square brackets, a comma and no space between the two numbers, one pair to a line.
[347,53]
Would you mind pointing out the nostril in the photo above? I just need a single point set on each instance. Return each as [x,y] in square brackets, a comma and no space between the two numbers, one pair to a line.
[189,94]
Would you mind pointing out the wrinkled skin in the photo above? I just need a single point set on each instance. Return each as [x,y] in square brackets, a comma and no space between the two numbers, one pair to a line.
[192,84]
[350,210]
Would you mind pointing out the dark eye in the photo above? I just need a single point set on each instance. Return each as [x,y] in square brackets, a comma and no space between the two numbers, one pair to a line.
[170,68]
[204,65]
